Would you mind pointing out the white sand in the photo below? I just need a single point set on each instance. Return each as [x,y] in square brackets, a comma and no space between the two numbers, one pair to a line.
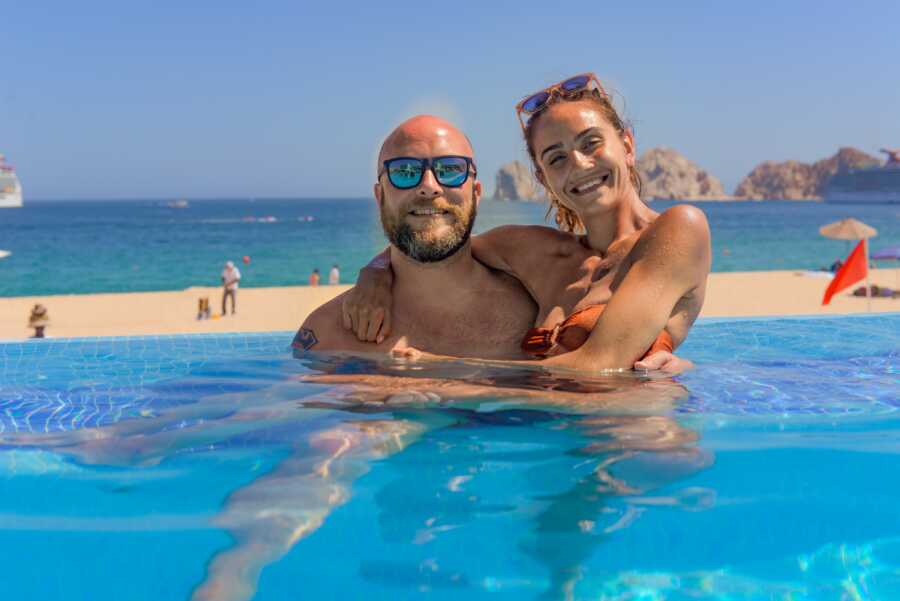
[269,309]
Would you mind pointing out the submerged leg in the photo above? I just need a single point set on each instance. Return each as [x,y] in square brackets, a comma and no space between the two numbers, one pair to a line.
[268,516]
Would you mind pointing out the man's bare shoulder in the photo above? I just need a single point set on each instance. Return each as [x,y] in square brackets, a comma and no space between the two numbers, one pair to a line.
[323,331]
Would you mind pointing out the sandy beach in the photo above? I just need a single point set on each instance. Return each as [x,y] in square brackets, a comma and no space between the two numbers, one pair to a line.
[740,294]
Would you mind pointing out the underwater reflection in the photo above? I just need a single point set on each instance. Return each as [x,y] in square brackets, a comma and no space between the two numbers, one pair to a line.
[334,424]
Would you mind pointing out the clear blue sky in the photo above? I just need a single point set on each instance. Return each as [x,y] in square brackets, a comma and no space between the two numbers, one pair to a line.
[202,99]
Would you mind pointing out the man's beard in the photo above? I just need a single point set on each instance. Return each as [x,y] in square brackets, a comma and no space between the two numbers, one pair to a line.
[420,245]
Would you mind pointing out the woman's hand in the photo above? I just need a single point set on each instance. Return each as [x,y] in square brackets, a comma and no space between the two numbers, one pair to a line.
[407,353]
[366,308]
[664,361]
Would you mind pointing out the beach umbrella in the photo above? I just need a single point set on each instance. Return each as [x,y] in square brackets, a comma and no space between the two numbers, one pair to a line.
[851,229]
[891,253]
[848,229]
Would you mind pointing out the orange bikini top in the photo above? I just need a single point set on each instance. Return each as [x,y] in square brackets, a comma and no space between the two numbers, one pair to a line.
[572,332]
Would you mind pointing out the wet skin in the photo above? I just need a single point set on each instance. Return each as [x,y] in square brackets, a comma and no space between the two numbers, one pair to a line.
[661,261]
[453,306]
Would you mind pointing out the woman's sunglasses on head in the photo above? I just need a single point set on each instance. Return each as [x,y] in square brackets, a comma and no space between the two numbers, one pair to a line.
[449,171]
[567,88]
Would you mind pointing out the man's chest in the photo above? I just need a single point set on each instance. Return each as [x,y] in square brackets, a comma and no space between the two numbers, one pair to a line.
[492,326]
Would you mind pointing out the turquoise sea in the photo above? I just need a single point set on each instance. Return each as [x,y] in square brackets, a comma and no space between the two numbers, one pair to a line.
[72,247]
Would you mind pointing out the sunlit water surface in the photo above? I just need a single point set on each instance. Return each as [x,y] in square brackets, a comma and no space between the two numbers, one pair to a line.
[220,467]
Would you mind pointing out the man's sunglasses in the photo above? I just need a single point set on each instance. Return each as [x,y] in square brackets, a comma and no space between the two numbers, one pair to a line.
[449,171]
[568,88]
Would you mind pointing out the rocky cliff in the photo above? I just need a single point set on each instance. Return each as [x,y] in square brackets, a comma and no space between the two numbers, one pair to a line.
[515,182]
[665,174]
[668,175]
[793,180]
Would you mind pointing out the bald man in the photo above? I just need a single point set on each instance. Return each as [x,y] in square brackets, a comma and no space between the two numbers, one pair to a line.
[445,302]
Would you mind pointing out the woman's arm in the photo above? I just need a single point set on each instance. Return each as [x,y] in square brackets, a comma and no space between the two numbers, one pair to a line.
[519,250]
[669,262]
[366,308]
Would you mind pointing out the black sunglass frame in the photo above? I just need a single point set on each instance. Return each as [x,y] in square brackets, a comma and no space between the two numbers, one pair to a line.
[428,163]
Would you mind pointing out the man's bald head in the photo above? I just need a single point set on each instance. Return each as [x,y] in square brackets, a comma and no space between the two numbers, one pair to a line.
[420,135]
[431,221]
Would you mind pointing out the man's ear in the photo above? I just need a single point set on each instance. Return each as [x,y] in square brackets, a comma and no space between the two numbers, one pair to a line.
[378,191]
[476,192]
[628,142]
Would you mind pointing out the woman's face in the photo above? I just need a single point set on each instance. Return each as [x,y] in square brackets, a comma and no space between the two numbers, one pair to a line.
[583,159]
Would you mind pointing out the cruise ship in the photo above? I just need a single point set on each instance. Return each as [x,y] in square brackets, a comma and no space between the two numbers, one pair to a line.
[10,188]
[873,185]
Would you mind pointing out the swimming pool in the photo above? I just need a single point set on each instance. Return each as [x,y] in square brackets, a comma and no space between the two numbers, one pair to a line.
[220,467]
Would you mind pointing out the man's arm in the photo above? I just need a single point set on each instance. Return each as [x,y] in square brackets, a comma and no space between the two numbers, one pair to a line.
[323,332]
[671,260]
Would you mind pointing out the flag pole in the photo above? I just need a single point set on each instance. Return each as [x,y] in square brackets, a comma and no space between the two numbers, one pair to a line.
[868,288]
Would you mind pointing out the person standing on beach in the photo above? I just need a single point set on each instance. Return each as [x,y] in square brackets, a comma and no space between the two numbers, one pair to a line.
[230,278]
[334,276]
[314,277]
[39,319]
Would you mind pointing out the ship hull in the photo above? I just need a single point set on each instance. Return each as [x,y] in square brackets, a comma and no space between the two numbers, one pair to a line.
[880,185]
[10,188]
[850,197]
[10,201]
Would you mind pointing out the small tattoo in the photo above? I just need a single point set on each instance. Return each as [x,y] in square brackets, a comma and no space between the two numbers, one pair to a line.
[305,339]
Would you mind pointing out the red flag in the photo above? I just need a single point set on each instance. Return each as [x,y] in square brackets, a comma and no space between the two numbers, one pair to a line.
[854,270]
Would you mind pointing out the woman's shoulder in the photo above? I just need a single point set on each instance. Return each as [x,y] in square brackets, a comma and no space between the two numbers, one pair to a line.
[684,225]
[684,216]
[682,228]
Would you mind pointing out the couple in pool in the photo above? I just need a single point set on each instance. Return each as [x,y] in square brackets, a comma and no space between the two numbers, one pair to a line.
[617,286]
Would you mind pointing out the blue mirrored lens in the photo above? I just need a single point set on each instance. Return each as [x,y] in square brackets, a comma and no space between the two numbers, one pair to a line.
[535,102]
[405,173]
[451,171]
[575,83]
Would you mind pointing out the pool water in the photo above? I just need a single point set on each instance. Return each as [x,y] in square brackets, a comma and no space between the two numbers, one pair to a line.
[220,467]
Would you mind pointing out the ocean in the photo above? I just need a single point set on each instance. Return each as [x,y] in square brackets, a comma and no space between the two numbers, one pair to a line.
[77,247]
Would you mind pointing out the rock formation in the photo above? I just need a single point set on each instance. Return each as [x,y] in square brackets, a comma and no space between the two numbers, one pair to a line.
[788,180]
[667,175]
[515,182]
[793,180]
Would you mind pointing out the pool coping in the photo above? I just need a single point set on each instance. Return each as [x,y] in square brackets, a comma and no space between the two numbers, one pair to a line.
[289,333]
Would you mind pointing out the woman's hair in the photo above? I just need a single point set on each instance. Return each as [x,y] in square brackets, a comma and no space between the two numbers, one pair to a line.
[566,219]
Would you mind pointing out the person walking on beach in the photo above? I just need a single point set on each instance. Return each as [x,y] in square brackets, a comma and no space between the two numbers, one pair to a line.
[39,319]
[230,278]
[314,277]
[334,276]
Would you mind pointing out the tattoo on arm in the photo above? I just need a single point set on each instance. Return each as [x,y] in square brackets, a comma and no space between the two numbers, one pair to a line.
[305,339]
